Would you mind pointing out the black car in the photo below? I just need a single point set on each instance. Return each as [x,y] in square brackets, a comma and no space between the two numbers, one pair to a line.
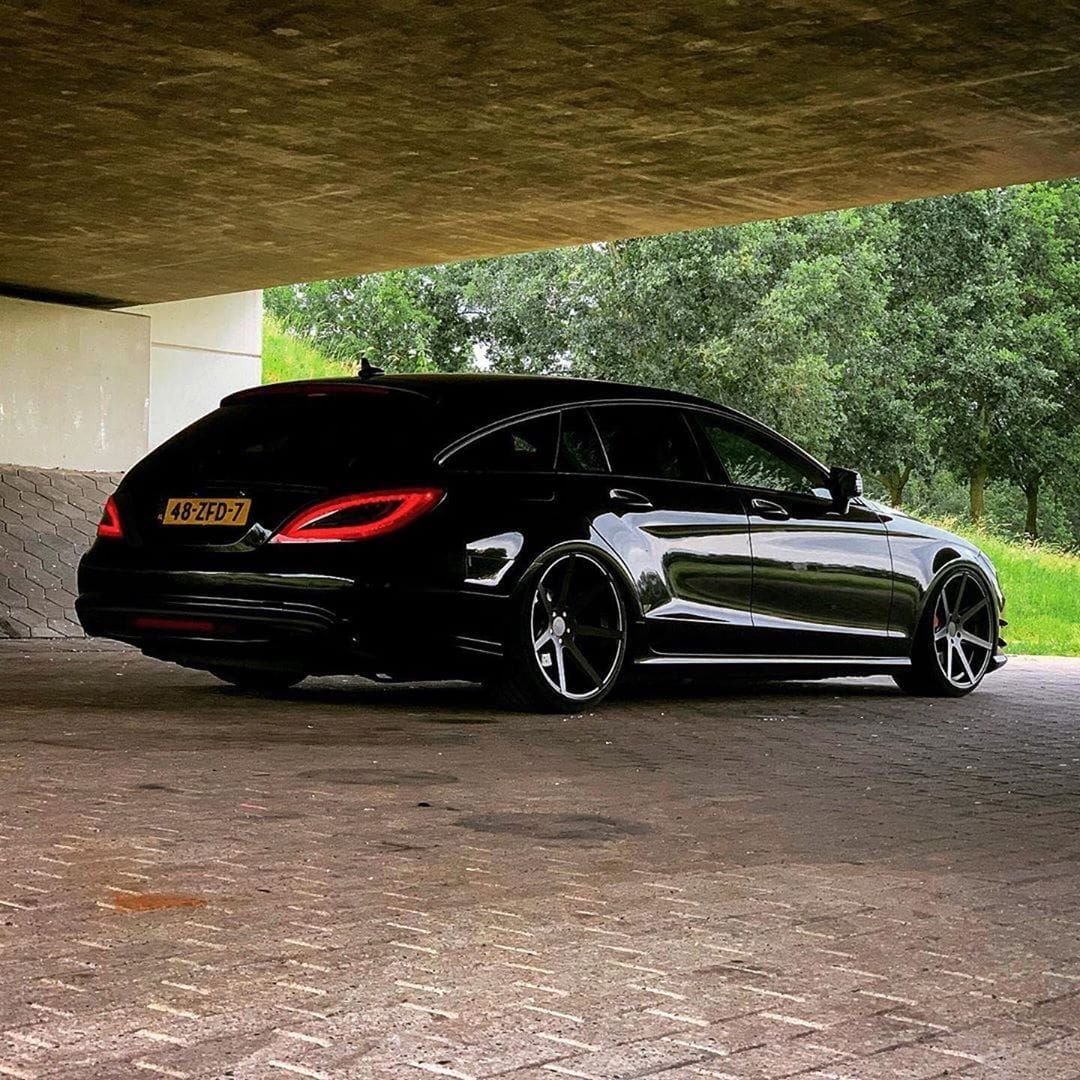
[542,534]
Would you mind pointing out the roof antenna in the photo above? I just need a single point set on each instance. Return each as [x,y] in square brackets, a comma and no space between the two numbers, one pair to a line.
[367,369]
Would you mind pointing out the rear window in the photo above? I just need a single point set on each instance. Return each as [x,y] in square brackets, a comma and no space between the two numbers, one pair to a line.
[299,440]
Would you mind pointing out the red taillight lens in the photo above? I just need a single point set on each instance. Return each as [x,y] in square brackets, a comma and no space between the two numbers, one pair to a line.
[358,517]
[109,528]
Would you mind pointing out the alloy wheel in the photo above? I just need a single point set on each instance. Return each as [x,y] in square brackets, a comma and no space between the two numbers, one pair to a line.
[963,628]
[578,629]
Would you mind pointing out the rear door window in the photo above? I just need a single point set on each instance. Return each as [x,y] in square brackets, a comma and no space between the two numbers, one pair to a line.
[580,450]
[524,446]
[649,440]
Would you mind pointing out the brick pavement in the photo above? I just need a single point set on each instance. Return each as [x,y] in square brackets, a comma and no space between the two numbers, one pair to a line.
[824,881]
[48,518]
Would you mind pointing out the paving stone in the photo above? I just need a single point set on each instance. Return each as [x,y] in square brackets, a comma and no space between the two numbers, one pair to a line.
[789,903]
[25,587]
[56,543]
[27,530]
[46,608]
[10,600]
[44,577]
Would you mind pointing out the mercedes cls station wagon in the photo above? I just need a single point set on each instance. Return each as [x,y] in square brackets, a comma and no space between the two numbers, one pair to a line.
[544,535]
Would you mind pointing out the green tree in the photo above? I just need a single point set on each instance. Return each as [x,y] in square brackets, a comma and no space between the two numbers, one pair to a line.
[917,341]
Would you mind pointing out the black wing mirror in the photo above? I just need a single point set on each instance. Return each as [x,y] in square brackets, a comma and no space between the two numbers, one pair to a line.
[845,485]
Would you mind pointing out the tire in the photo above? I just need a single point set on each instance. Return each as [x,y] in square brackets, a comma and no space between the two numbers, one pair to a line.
[956,638]
[568,637]
[258,680]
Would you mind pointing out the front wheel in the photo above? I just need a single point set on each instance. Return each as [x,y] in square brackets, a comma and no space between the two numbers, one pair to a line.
[568,640]
[955,642]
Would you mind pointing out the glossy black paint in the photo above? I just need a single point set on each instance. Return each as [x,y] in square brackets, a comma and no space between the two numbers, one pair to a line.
[818,580]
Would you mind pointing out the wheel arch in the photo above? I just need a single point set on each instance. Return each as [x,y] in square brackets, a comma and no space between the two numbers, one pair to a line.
[945,562]
[625,583]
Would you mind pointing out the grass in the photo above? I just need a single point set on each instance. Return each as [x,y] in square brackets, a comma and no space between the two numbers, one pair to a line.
[286,356]
[1042,595]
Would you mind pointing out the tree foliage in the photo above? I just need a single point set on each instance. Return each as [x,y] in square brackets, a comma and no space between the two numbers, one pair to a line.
[932,339]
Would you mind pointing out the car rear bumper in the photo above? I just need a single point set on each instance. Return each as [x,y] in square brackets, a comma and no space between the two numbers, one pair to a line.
[177,625]
[318,624]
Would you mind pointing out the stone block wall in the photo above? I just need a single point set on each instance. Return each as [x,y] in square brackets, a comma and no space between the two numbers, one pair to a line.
[48,518]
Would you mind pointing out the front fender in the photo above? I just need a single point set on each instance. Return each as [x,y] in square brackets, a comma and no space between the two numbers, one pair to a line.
[946,568]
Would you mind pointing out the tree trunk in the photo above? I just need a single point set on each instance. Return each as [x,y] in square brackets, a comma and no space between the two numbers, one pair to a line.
[977,493]
[979,474]
[1031,525]
[896,480]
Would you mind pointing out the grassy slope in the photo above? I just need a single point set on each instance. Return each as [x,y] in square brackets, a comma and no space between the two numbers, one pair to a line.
[286,356]
[1042,596]
[1042,588]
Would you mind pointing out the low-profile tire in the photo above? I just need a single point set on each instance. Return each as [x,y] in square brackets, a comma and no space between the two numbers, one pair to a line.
[568,637]
[258,680]
[955,642]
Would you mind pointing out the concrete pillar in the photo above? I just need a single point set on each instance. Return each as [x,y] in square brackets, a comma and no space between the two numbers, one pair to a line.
[74,385]
[200,350]
[83,395]
[94,390]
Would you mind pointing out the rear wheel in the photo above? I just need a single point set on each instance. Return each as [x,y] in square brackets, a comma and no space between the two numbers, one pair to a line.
[955,643]
[258,680]
[568,639]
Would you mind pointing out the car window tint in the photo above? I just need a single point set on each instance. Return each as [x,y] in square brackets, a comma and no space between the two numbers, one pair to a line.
[527,446]
[298,441]
[649,440]
[751,463]
[579,445]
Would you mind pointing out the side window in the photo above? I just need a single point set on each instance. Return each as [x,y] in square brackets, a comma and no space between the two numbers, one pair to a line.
[649,440]
[579,445]
[750,462]
[527,446]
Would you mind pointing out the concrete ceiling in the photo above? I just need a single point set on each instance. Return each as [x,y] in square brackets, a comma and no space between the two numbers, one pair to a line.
[158,151]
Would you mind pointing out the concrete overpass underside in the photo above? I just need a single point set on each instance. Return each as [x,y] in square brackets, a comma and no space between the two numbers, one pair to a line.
[154,152]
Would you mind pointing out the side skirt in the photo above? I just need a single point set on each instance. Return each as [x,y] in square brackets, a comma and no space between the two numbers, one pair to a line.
[777,661]
[778,667]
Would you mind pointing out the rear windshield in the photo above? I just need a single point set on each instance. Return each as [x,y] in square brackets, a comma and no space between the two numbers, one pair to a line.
[300,440]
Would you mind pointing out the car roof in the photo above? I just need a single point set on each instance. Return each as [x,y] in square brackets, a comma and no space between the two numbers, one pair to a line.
[475,398]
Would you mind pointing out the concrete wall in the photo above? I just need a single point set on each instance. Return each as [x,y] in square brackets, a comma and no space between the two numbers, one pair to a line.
[201,350]
[83,395]
[74,385]
[94,390]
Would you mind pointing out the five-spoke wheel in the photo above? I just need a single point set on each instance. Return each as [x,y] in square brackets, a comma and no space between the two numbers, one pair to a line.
[956,642]
[571,641]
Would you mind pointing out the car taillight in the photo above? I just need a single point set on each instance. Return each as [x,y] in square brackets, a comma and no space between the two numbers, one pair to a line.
[358,517]
[109,528]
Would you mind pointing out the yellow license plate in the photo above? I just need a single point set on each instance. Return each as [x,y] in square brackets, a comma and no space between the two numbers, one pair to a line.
[206,512]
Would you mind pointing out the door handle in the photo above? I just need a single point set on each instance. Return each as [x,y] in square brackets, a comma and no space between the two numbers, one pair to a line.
[766,508]
[632,500]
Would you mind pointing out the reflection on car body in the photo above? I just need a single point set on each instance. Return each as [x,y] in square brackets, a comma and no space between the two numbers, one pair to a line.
[538,533]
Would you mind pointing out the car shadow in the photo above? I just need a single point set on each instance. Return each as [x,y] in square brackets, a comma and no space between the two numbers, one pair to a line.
[349,692]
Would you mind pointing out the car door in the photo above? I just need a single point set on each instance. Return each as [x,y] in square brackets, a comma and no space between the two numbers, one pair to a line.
[822,572]
[684,539]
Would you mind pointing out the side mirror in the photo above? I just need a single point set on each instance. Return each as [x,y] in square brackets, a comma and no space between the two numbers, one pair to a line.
[845,485]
